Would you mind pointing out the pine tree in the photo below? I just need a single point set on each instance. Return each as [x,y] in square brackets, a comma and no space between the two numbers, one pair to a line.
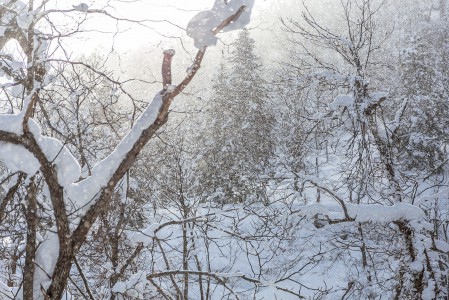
[240,135]
[424,84]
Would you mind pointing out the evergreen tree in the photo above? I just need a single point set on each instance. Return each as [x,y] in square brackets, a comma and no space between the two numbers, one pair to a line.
[424,84]
[240,135]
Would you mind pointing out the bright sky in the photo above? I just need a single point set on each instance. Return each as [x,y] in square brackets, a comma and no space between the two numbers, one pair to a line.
[164,19]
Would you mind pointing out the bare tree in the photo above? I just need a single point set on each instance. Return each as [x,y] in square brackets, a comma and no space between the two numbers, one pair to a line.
[345,63]
[74,206]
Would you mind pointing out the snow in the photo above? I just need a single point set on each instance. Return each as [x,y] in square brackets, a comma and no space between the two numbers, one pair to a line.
[17,158]
[349,101]
[227,235]
[342,101]
[40,48]
[83,7]
[17,7]
[46,257]
[376,97]
[132,285]
[24,19]
[189,69]
[145,235]
[367,213]
[6,290]
[171,88]
[397,116]
[17,91]
[201,25]
[11,123]
[85,191]
[67,166]
[15,66]
[385,214]
[442,246]
[428,292]
[312,210]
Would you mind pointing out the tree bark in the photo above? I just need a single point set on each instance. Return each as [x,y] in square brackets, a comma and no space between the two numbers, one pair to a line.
[30,248]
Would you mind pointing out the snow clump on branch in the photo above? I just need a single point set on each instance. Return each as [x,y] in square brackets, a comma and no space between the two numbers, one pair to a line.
[201,26]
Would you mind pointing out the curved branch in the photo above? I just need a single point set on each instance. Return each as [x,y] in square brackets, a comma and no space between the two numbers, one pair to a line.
[333,195]
[221,278]
[60,277]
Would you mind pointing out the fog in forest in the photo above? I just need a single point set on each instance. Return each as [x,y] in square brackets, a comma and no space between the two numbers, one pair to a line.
[224,149]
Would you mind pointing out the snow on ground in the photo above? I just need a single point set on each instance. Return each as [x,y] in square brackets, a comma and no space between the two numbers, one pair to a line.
[275,245]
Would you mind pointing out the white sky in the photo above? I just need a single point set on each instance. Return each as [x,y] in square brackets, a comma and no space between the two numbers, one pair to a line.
[165,19]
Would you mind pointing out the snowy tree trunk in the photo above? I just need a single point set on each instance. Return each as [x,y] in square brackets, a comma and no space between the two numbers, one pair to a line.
[30,249]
